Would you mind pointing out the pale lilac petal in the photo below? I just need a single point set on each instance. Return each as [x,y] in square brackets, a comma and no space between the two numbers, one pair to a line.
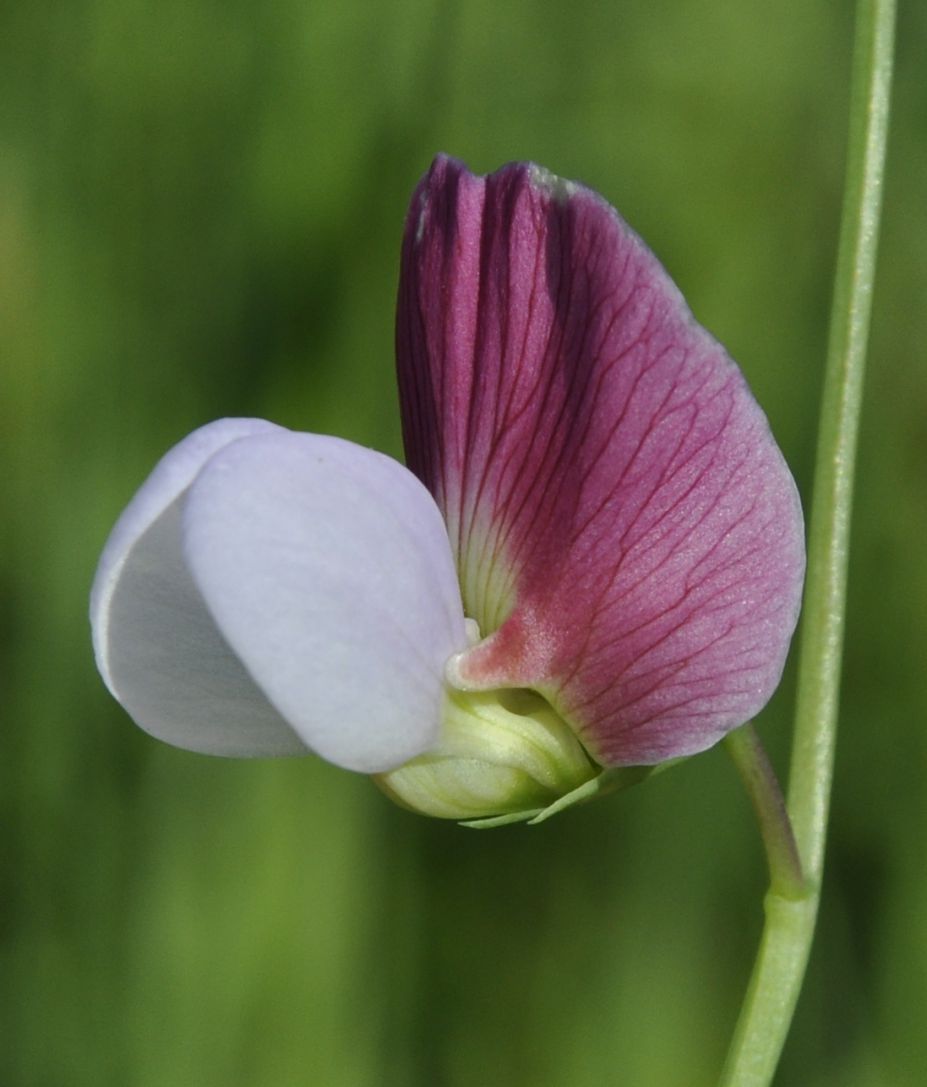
[328,570]
[157,646]
[625,527]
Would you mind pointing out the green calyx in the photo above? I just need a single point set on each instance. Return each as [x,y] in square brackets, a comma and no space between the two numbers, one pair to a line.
[505,756]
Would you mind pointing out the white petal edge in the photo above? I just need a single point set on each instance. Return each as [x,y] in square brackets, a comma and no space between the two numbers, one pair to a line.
[156,644]
[328,569]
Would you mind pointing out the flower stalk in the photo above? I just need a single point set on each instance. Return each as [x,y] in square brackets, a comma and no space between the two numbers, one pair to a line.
[786,942]
[786,878]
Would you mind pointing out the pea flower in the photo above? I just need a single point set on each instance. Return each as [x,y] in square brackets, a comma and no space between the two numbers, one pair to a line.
[591,566]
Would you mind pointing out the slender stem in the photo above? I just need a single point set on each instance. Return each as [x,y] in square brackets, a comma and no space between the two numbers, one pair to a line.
[786,942]
[786,878]
[828,544]
[773,991]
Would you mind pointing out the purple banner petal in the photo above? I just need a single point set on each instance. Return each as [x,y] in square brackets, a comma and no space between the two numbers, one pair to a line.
[627,533]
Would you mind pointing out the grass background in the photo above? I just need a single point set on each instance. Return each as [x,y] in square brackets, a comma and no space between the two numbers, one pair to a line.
[200,212]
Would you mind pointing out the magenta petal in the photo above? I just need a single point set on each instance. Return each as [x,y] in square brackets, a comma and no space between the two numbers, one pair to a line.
[626,530]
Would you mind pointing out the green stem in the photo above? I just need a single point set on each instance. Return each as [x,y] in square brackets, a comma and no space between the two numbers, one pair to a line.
[786,879]
[786,942]
[828,543]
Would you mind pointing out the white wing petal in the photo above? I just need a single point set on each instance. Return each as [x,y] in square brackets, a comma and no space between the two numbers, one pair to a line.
[156,644]
[328,569]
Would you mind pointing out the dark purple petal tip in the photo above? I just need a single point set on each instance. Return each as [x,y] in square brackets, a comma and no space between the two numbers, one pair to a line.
[627,533]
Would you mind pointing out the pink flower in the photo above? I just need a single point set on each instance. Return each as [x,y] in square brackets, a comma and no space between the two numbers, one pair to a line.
[626,536]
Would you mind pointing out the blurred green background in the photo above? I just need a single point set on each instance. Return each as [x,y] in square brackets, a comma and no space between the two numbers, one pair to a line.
[200,212]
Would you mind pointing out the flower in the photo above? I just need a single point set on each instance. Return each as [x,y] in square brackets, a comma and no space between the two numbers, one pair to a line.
[593,562]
